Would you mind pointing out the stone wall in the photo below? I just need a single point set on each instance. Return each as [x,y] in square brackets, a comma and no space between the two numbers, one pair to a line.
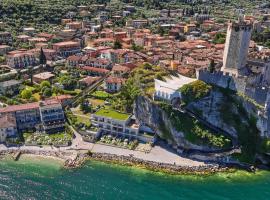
[221,79]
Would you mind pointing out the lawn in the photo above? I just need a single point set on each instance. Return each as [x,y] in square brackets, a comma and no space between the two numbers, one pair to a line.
[83,119]
[101,95]
[112,114]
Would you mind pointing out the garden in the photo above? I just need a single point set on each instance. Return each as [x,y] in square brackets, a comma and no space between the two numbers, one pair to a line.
[58,139]
[119,142]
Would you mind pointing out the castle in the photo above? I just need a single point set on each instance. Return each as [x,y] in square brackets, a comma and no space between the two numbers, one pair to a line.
[248,77]
[236,47]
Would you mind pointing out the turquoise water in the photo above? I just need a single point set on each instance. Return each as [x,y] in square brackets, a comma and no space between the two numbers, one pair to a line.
[33,178]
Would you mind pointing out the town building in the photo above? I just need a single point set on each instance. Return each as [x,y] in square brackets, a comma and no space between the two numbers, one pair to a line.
[21,59]
[88,80]
[52,116]
[66,49]
[74,25]
[118,124]
[44,76]
[137,23]
[7,73]
[114,84]
[5,38]
[4,49]
[168,90]
[45,116]
[27,115]
[10,87]
[8,127]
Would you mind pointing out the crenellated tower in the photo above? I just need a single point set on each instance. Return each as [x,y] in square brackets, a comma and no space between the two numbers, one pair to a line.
[236,47]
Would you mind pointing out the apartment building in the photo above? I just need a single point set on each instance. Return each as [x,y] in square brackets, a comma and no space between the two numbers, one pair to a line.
[8,127]
[21,59]
[5,38]
[119,125]
[66,49]
[45,116]
[52,116]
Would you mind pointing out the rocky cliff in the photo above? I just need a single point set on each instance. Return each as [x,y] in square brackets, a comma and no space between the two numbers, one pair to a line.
[152,115]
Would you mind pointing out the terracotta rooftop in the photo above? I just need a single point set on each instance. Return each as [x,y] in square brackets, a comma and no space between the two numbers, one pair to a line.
[112,79]
[14,108]
[95,69]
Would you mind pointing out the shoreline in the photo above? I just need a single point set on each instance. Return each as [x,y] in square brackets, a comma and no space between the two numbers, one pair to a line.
[76,159]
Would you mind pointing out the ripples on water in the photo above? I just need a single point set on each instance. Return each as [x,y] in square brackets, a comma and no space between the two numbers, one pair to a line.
[44,179]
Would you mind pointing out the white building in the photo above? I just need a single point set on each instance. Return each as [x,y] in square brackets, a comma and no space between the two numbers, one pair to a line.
[119,124]
[169,89]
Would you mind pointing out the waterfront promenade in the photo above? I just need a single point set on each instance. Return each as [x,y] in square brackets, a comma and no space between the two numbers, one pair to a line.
[157,154]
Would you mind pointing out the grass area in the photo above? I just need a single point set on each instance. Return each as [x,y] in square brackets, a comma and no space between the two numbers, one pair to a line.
[112,114]
[194,131]
[84,119]
[101,95]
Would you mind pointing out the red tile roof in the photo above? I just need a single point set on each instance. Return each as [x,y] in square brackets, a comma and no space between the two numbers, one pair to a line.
[95,69]
[112,79]
[28,106]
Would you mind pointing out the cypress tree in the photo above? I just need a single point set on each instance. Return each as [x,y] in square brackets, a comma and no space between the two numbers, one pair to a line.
[42,58]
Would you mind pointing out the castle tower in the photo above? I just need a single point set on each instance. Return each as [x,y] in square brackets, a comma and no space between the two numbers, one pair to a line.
[236,47]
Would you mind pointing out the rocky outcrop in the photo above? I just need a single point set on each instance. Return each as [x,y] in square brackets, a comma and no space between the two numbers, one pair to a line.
[150,114]
[210,110]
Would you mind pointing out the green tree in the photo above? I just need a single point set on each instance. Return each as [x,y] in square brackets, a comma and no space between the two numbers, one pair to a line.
[42,57]
[194,91]
[160,30]
[211,67]
[129,92]
[117,45]
[26,94]
[47,92]
[45,84]
[220,38]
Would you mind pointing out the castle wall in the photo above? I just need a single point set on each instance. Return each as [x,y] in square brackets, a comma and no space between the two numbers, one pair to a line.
[260,94]
[222,79]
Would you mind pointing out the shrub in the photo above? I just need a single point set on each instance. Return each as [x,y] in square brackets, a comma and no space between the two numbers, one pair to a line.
[194,91]
[26,94]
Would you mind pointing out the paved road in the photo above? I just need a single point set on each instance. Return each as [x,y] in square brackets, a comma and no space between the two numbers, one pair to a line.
[157,154]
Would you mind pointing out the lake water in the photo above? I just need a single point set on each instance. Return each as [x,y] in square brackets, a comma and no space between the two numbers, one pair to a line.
[35,178]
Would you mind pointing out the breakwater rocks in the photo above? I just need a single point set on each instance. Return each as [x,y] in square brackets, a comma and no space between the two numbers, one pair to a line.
[75,162]
[156,166]
[75,159]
